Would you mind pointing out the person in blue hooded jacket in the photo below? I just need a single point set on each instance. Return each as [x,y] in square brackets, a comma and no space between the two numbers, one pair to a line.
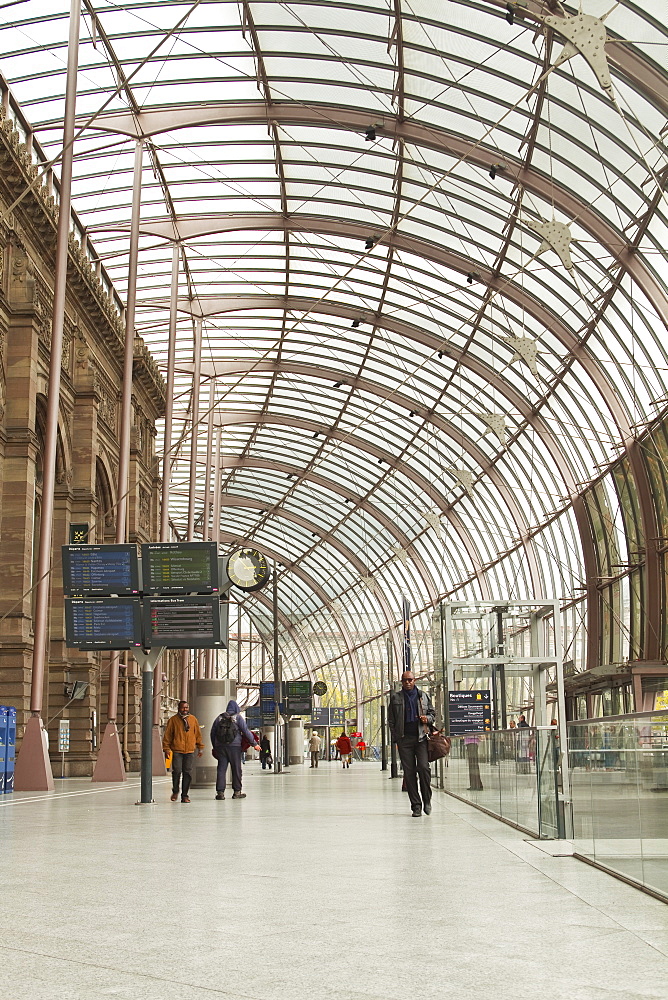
[226,736]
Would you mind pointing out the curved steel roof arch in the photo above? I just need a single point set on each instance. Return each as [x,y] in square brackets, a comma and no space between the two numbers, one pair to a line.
[451,92]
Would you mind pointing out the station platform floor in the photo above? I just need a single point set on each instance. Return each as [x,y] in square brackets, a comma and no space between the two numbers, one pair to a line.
[318,886]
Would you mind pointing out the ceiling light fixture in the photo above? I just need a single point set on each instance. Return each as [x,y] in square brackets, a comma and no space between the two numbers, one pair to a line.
[370,133]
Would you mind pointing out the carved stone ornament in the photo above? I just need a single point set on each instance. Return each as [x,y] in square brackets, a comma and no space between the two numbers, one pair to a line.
[144,509]
[81,352]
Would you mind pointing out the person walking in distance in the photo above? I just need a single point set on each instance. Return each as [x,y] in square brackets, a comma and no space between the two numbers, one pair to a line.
[345,748]
[226,734]
[410,714]
[182,737]
[314,748]
[265,752]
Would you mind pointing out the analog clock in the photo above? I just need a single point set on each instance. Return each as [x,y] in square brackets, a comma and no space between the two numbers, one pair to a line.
[248,569]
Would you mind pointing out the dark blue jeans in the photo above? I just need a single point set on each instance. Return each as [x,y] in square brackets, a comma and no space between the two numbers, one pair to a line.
[231,756]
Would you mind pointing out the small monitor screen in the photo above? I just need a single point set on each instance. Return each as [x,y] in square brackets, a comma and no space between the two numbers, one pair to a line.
[103,622]
[180,568]
[183,622]
[298,689]
[100,570]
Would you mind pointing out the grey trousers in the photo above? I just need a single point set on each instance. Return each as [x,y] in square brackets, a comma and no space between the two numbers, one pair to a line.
[182,763]
[231,756]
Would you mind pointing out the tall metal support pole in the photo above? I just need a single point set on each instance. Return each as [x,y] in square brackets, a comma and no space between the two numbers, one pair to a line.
[158,758]
[169,400]
[194,436]
[207,533]
[394,767]
[278,761]
[109,766]
[383,739]
[192,484]
[33,767]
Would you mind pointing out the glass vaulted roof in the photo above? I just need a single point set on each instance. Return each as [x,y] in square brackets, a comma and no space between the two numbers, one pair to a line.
[426,253]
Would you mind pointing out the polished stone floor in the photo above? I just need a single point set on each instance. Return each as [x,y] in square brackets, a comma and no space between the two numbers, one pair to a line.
[318,886]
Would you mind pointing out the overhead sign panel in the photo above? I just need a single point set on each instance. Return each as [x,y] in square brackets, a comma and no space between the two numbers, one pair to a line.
[180,568]
[183,622]
[100,570]
[470,712]
[103,623]
[298,697]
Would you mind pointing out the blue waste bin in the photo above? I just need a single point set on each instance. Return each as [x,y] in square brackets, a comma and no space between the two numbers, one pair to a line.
[4,719]
[11,750]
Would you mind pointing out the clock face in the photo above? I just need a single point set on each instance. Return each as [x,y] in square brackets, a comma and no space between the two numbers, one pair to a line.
[248,569]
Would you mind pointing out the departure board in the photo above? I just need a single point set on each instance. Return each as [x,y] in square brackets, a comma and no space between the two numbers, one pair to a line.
[297,689]
[184,622]
[180,568]
[100,570]
[298,697]
[103,622]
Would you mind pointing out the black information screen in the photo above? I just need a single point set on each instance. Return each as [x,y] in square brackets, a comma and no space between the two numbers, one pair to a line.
[103,622]
[180,567]
[100,570]
[298,689]
[470,712]
[183,622]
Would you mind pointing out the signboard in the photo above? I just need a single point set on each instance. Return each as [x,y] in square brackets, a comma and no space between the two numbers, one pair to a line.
[470,712]
[254,716]
[100,570]
[103,622]
[79,534]
[298,697]
[337,716]
[63,736]
[180,568]
[183,622]
[319,716]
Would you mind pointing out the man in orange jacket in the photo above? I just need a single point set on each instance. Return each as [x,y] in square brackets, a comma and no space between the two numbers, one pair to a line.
[182,736]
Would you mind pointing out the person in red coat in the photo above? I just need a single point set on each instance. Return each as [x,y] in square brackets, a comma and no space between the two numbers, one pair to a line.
[344,746]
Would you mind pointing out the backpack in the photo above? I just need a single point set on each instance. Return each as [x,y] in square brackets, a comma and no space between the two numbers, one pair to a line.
[225,730]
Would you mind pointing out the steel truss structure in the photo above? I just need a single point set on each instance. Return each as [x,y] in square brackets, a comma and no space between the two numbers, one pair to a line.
[412,260]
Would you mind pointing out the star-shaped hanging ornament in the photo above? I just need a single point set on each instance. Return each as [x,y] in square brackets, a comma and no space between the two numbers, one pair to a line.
[464,476]
[433,519]
[556,236]
[401,554]
[496,423]
[586,36]
[369,582]
[526,350]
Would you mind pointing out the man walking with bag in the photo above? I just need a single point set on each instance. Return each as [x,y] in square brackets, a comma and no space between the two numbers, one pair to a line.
[410,714]
[226,734]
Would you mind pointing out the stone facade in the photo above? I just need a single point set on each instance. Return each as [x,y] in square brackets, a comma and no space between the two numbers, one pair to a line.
[87,462]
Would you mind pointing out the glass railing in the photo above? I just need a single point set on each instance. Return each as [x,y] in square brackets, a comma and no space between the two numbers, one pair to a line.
[513,774]
[619,785]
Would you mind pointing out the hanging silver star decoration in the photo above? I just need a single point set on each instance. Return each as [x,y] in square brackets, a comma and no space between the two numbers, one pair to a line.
[556,236]
[496,423]
[433,519]
[526,350]
[401,554]
[464,476]
[370,583]
[585,35]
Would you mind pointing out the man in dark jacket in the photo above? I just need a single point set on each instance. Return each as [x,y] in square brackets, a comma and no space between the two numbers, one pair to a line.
[226,735]
[410,715]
